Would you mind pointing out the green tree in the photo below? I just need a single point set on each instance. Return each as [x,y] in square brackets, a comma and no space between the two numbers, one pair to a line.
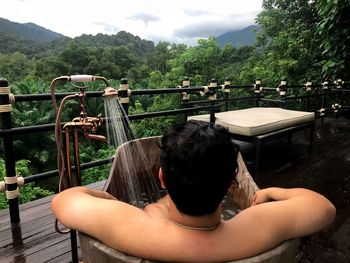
[14,66]
[158,58]
[287,46]
[334,32]
[38,148]
[76,57]
[201,61]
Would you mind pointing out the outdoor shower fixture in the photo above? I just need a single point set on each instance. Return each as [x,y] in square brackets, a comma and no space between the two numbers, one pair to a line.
[84,124]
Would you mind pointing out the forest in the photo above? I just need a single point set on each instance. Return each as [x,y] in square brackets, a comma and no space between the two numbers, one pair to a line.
[299,41]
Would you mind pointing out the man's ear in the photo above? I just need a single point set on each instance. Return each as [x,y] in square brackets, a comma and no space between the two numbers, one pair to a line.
[161,179]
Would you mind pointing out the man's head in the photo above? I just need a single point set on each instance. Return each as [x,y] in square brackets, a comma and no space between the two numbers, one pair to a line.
[199,162]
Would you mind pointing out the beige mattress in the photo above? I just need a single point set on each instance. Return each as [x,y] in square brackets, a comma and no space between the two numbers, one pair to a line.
[255,121]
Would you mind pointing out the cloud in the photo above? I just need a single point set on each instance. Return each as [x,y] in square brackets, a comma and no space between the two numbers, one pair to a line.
[146,18]
[107,28]
[214,26]
[196,12]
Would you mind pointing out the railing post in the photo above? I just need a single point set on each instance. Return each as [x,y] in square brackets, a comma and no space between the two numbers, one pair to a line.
[10,164]
[282,89]
[308,89]
[257,91]
[226,90]
[212,96]
[186,83]
[324,100]
[124,93]
[337,105]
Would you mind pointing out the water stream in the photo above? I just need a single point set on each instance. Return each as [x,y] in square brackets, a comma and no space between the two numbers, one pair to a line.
[132,161]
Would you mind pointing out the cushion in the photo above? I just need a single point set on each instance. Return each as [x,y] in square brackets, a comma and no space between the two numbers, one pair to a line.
[256,121]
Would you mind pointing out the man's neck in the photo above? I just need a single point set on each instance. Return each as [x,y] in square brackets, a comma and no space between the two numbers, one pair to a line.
[206,222]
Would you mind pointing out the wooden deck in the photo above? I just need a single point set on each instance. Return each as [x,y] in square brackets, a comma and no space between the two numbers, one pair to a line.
[326,170]
[34,239]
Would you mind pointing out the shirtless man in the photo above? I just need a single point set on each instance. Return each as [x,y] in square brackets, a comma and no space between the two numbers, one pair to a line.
[199,164]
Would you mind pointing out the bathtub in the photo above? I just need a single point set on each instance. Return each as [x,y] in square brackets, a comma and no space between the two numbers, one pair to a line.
[93,251]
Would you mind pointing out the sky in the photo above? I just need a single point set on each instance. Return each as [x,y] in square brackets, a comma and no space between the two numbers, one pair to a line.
[176,21]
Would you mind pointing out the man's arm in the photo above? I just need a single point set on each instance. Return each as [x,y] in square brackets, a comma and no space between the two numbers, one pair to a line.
[97,213]
[295,212]
[280,214]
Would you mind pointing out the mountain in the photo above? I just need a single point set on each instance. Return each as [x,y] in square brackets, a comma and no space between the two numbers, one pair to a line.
[239,38]
[27,31]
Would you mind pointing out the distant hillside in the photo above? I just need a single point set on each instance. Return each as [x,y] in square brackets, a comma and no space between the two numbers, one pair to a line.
[239,38]
[27,31]
[34,40]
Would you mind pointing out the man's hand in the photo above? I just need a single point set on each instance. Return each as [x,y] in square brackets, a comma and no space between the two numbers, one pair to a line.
[261,196]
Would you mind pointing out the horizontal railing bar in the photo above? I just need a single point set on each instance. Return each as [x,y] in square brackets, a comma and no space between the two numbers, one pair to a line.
[29,129]
[171,112]
[165,91]
[53,173]
[309,96]
[47,96]
[217,100]
[272,100]
[51,126]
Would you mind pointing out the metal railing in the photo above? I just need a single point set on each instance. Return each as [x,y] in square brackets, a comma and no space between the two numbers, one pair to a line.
[324,98]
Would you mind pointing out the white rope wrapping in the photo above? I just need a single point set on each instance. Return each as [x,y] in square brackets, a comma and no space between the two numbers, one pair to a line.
[20,181]
[322,111]
[339,83]
[212,97]
[124,86]
[12,98]
[6,108]
[336,107]
[185,96]
[124,100]
[2,186]
[14,179]
[186,83]
[308,86]
[259,90]
[213,84]
[325,85]
[12,194]
[224,89]
[5,90]
[11,180]
[226,86]
[202,93]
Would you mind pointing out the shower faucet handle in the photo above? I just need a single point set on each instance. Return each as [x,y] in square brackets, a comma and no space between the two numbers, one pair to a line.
[81,78]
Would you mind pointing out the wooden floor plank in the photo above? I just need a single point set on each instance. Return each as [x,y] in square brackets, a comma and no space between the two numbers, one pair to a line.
[36,239]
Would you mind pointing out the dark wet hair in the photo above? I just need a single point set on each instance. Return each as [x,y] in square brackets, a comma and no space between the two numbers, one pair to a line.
[199,163]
